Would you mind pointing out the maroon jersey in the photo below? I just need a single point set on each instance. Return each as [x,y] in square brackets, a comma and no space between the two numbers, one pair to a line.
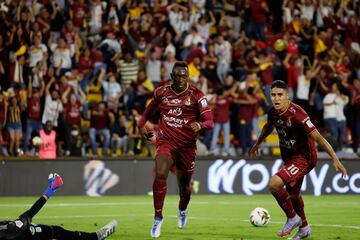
[177,112]
[246,111]
[222,110]
[100,121]
[79,14]
[84,64]
[68,35]
[267,76]
[293,127]
[2,112]
[34,109]
[73,113]
[258,13]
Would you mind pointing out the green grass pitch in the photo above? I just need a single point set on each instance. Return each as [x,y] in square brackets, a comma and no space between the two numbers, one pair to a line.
[210,216]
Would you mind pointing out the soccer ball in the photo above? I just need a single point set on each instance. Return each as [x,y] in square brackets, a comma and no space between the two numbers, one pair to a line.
[37,141]
[279,45]
[259,217]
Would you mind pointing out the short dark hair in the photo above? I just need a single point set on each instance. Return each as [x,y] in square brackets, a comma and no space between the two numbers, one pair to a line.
[181,64]
[279,84]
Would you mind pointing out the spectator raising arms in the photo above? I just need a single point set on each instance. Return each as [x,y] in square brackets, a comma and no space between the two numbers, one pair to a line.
[53,104]
[72,110]
[119,51]
[33,122]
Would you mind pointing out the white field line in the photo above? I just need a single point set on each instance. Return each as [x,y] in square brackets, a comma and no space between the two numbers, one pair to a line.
[150,203]
[267,202]
[93,204]
[175,217]
[324,225]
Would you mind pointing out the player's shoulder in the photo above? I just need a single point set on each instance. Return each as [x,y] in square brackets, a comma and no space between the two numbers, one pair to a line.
[195,92]
[300,115]
[161,90]
[296,110]
[194,89]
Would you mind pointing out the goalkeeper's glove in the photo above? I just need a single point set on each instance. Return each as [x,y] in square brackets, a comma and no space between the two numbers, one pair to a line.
[54,183]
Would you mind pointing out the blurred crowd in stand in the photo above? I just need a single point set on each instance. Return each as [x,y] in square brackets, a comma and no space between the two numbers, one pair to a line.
[78,74]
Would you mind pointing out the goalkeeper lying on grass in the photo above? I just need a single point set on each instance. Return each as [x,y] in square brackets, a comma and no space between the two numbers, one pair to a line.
[23,229]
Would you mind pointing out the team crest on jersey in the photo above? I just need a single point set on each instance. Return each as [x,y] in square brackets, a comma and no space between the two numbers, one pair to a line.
[288,123]
[188,101]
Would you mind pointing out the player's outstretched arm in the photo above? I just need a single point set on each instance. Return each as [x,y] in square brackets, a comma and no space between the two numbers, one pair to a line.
[20,224]
[316,136]
[266,130]
[54,182]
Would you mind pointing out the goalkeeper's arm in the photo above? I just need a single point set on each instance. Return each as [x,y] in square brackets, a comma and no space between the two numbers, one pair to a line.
[54,183]
[15,228]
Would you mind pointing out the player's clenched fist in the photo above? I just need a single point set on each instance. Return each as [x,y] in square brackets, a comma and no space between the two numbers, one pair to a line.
[143,132]
[195,126]
[148,135]
[54,183]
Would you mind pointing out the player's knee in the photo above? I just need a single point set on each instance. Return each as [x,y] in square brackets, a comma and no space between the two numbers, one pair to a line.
[274,184]
[185,189]
[161,175]
[161,171]
[272,187]
[295,195]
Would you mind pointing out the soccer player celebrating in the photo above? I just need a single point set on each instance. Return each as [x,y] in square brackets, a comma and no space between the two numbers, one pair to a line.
[184,111]
[296,137]
[23,229]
